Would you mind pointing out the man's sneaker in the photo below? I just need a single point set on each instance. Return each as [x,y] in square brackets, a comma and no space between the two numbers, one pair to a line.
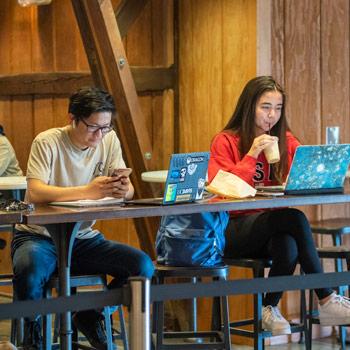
[273,321]
[336,311]
[32,339]
[90,324]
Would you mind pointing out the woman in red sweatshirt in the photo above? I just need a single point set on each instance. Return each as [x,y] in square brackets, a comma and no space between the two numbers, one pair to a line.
[284,235]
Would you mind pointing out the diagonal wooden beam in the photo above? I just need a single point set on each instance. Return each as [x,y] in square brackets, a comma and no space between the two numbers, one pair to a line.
[89,44]
[101,35]
[127,12]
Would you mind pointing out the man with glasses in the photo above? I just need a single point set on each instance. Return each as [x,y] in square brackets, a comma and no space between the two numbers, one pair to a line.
[71,163]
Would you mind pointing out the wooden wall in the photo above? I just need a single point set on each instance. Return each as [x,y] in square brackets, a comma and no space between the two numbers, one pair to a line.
[310,57]
[217,55]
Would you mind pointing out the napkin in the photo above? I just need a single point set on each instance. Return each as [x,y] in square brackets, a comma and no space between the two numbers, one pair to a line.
[229,185]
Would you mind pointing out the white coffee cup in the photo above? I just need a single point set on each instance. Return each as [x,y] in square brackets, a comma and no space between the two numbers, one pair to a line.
[272,153]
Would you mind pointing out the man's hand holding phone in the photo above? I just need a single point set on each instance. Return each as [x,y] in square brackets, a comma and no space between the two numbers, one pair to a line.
[123,172]
[121,182]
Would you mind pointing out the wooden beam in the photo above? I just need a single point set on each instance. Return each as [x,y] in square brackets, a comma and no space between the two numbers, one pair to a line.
[151,79]
[127,12]
[147,79]
[89,44]
[62,83]
[103,36]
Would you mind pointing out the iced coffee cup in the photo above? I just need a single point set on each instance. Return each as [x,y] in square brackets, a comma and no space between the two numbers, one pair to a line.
[272,153]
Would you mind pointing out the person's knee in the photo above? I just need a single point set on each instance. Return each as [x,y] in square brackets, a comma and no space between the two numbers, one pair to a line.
[28,276]
[284,249]
[298,218]
[145,266]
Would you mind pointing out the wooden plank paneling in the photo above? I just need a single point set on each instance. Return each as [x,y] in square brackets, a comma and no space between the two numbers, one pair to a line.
[163,103]
[335,106]
[5,58]
[202,64]
[42,39]
[296,56]
[65,37]
[302,68]
[310,53]
[217,57]
[21,108]
[239,52]
[277,40]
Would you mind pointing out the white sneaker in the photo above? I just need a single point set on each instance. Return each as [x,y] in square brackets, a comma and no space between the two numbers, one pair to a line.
[273,321]
[336,311]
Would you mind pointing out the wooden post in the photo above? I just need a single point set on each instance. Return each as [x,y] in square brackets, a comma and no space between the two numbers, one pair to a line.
[110,69]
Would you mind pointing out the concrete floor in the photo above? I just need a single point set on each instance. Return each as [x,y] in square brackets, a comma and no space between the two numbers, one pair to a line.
[329,343]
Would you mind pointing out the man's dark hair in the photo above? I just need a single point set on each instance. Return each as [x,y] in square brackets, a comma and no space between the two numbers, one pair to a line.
[2,132]
[88,100]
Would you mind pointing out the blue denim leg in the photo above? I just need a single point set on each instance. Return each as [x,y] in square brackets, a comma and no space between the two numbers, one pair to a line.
[34,261]
[97,255]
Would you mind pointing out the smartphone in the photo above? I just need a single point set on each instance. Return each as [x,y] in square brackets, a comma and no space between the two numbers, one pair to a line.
[125,172]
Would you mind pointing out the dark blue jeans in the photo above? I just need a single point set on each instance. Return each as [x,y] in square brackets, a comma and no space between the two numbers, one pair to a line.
[283,235]
[34,261]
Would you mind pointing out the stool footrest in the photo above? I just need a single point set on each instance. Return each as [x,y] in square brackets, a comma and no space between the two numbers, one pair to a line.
[240,323]
[215,336]
[248,333]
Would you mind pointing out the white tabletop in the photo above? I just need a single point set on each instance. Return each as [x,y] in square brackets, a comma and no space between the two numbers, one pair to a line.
[13,183]
[154,176]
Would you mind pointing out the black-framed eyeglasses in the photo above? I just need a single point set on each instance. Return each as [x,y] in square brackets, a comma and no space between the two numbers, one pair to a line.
[95,128]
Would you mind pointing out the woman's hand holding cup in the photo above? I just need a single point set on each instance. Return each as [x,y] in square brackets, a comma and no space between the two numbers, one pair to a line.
[268,144]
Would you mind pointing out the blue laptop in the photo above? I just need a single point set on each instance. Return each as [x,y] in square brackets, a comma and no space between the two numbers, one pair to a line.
[185,180]
[316,170]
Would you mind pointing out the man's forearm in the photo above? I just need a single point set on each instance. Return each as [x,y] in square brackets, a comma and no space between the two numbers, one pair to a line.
[42,193]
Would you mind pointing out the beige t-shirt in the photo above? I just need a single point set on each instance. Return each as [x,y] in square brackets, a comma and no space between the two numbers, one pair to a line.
[56,161]
[8,161]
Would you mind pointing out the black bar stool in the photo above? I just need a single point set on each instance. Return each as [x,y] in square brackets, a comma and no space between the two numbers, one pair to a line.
[336,227]
[75,283]
[219,336]
[258,334]
[16,336]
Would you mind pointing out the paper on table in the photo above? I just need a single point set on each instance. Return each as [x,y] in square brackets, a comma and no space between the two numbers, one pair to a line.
[230,186]
[90,202]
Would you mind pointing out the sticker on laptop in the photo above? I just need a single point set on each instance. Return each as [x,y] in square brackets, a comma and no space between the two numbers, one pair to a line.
[170,193]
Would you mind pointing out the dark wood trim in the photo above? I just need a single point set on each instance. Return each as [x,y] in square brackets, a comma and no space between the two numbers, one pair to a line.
[127,12]
[152,79]
[43,83]
[147,79]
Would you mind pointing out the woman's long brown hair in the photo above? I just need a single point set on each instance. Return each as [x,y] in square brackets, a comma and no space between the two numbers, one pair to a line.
[242,122]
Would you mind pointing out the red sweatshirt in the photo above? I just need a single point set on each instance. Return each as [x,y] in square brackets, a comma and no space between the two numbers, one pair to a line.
[225,155]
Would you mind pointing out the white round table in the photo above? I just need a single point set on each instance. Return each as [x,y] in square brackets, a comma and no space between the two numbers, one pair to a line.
[13,183]
[155,176]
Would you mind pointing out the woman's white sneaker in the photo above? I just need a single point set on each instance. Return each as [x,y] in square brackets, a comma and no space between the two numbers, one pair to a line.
[273,321]
[336,311]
